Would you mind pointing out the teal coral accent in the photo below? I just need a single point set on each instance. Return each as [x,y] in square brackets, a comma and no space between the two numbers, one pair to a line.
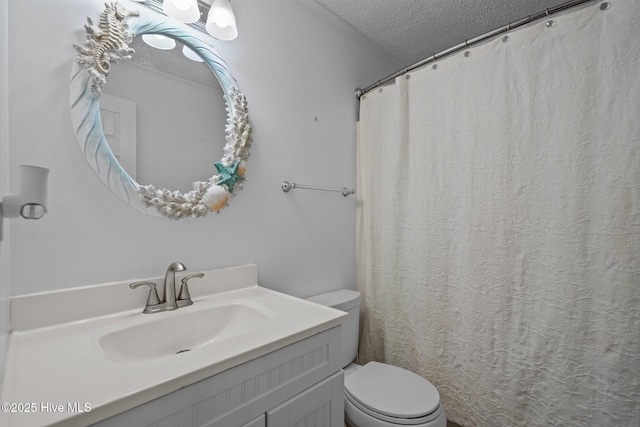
[229,174]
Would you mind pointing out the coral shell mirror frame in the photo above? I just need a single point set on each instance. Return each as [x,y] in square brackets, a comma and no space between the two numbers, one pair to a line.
[107,42]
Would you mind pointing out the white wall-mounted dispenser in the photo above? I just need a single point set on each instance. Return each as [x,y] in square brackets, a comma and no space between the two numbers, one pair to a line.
[31,200]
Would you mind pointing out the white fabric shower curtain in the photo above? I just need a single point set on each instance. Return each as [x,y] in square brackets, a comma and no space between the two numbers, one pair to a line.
[499,224]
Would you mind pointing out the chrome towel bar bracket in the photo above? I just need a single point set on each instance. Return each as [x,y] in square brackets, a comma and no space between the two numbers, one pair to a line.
[286,186]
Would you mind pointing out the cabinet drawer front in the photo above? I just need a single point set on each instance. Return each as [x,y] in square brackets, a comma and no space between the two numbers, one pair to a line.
[321,405]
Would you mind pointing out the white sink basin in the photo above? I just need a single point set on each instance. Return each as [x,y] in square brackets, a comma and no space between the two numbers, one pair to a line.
[166,334]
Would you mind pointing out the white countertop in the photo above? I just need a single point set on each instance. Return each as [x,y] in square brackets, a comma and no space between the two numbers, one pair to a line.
[58,372]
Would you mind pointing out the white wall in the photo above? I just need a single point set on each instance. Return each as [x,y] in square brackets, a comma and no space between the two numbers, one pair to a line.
[4,185]
[298,71]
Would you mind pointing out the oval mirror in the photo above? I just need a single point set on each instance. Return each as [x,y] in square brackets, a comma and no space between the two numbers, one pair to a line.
[96,58]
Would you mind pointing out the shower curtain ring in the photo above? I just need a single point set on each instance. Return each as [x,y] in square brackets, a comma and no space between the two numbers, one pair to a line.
[547,11]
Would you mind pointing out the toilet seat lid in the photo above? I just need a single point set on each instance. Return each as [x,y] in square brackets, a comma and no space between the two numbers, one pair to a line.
[392,391]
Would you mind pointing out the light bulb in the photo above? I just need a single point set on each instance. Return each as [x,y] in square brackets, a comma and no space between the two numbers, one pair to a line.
[159,41]
[223,17]
[189,53]
[221,22]
[182,5]
[183,10]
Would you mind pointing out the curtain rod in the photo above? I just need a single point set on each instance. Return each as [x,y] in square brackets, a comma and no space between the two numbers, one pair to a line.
[531,18]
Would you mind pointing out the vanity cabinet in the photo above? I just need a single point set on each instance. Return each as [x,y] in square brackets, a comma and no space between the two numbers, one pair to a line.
[319,406]
[297,385]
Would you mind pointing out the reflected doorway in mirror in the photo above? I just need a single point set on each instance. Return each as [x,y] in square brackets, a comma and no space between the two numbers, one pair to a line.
[119,123]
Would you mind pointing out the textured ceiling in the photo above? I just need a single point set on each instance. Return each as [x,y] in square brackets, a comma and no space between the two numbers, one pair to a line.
[412,30]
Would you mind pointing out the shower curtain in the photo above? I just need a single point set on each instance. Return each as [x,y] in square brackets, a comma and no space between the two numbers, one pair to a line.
[499,223]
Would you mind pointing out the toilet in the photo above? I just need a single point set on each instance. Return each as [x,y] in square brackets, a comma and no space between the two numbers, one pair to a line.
[377,394]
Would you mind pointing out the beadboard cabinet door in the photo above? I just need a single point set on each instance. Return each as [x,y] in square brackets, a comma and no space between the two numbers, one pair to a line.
[261,421]
[321,405]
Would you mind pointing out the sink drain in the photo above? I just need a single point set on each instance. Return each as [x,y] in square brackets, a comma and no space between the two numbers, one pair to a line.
[183,351]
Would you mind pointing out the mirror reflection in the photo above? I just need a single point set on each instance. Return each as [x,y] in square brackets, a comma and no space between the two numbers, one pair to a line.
[176,129]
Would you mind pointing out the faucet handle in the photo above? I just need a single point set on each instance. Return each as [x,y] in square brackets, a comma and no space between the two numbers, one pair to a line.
[184,299]
[153,301]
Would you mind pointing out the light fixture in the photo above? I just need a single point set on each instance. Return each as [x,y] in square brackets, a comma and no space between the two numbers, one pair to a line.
[189,53]
[159,41]
[186,11]
[221,22]
[31,201]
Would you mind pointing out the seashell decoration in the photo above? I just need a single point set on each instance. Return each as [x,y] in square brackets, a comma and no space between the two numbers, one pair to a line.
[107,41]
[210,196]
[242,167]
[216,198]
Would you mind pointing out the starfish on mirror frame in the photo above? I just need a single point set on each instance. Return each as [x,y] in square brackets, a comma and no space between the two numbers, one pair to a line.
[229,174]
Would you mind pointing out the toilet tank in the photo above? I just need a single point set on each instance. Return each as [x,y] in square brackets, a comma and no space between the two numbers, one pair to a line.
[349,301]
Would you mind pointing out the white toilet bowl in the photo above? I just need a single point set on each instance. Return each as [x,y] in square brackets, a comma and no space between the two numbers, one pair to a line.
[377,394]
[381,395]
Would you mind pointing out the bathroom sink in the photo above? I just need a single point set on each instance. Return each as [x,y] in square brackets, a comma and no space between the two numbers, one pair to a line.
[63,335]
[161,335]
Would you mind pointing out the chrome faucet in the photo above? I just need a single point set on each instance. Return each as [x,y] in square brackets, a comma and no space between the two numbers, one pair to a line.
[169,293]
[169,300]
